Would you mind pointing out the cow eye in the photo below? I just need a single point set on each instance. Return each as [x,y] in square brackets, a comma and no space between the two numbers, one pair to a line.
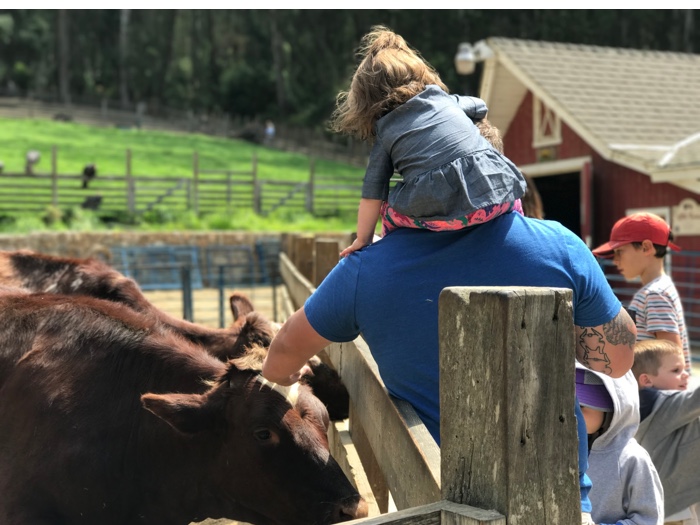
[262,434]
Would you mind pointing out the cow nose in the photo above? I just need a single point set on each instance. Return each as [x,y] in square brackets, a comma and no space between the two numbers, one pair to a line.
[350,509]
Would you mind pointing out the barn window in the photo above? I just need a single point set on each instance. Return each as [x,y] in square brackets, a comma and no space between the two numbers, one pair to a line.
[546,125]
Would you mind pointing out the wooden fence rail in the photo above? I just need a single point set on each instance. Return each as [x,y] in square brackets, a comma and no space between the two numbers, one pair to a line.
[506,396]
[206,191]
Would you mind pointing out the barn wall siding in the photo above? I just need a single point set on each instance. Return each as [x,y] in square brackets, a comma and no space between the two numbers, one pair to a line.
[615,188]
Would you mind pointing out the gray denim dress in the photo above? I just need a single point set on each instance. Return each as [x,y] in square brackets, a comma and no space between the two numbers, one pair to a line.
[448,169]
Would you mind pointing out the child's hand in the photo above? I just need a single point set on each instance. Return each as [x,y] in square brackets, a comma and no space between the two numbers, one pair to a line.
[356,245]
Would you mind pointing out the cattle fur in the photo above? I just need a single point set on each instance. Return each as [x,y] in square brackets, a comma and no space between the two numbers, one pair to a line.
[108,417]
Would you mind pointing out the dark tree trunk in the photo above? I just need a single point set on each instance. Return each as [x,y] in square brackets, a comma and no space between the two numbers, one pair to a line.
[63,57]
[277,62]
[123,57]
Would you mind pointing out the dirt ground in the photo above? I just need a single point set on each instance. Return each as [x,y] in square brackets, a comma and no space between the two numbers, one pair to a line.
[205,303]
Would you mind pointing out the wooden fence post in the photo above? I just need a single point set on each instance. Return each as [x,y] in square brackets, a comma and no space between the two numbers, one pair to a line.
[195,182]
[508,430]
[54,176]
[304,255]
[310,186]
[130,187]
[326,256]
[257,190]
[229,191]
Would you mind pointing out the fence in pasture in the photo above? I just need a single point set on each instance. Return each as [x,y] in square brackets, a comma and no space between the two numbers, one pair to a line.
[206,191]
[484,462]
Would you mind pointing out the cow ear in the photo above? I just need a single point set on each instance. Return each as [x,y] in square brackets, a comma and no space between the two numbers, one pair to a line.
[240,305]
[186,413]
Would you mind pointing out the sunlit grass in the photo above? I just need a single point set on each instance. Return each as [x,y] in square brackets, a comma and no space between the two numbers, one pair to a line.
[158,154]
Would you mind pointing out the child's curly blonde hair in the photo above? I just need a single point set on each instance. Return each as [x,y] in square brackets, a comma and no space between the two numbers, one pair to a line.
[389,74]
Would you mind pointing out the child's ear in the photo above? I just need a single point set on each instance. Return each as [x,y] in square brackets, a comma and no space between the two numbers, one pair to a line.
[645,381]
[648,247]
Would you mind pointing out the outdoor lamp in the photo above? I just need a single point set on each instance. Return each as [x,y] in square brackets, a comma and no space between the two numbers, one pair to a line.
[468,55]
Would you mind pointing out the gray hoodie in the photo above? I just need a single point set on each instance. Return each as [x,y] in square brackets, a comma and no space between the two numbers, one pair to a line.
[626,487]
[671,434]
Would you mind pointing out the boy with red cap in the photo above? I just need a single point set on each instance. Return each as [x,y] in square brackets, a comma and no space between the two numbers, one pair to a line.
[637,245]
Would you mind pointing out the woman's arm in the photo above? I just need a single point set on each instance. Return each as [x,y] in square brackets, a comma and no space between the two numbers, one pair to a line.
[292,347]
[607,348]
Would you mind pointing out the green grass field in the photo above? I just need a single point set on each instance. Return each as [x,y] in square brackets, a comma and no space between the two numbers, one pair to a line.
[153,152]
[158,154]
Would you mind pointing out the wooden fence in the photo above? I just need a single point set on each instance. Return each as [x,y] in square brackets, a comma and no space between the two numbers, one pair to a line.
[508,431]
[206,191]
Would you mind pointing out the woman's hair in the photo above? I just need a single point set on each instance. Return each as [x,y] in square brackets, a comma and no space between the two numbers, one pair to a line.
[532,201]
[648,354]
[491,133]
[389,74]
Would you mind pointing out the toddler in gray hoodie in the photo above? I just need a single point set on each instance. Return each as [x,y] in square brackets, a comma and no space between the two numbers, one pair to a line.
[670,426]
[626,487]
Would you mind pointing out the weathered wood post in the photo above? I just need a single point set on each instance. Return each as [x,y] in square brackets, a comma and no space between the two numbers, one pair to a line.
[326,256]
[229,191]
[54,176]
[310,186]
[130,188]
[195,181]
[508,430]
[304,255]
[257,189]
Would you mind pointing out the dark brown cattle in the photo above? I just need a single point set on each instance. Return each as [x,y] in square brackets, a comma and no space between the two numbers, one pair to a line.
[39,272]
[109,419]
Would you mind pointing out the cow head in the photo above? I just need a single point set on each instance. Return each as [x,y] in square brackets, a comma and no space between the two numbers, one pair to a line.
[323,379]
[253,329]
[272,464]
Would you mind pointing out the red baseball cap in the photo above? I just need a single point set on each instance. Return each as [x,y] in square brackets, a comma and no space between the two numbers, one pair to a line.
[637,228]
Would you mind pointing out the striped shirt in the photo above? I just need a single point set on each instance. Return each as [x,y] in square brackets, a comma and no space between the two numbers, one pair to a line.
[658,308]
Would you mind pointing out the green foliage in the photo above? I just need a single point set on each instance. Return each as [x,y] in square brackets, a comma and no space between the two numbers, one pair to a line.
[286,64]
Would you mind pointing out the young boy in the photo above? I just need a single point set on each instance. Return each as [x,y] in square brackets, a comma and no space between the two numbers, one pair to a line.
[670,426]
[637,245]
[626,487]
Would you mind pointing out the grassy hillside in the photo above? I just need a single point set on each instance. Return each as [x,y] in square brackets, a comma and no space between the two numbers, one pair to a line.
[153,152]
[158,154]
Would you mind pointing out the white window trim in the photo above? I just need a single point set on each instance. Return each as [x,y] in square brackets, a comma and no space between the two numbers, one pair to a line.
[540,137]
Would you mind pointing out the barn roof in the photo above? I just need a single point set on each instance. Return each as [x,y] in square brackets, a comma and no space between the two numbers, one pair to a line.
[635,107]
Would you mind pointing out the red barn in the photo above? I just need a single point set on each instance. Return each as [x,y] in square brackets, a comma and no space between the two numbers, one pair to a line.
[605,132]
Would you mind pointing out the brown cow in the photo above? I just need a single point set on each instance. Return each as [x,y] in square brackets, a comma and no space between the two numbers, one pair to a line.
[215,440]
[39,272]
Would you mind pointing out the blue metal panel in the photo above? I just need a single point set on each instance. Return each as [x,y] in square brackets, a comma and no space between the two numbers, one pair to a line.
[158,267]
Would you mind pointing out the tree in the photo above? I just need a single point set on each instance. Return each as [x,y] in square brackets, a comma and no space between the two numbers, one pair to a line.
[124,57]
[63,56]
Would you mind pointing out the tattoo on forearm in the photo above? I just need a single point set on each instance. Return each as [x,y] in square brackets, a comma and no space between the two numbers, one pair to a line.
[618,333]
[591,350]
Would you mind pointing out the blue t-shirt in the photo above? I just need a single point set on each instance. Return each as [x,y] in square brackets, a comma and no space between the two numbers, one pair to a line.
[388,292]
